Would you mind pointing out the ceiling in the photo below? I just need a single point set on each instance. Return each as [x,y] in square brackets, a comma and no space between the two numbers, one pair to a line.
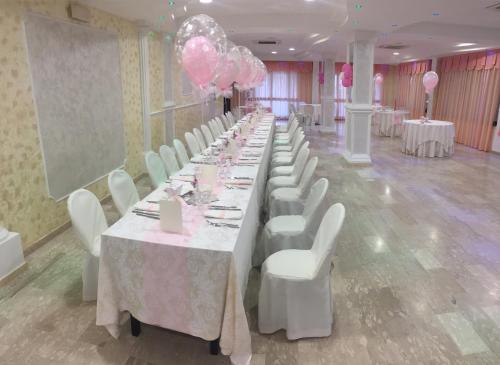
[322,28]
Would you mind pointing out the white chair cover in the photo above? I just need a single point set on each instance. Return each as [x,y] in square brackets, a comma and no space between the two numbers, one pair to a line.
[290,201]
[293,179]
[284,128]
[227,123]
[214,128]
[155,168]
[220,125]
[295,292]
[298,138]
[293,231]
[199,138]
[168,157]
[181,152]
[283,164]
[230,119]
[123,190]
[281,138]
[193,146]
[208,135]
[89,222]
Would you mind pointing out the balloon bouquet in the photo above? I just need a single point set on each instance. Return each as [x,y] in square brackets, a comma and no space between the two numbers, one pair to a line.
[212,62]
[430,81]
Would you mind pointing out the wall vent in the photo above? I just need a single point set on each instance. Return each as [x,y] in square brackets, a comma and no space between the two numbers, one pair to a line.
[393,46]
[268,42]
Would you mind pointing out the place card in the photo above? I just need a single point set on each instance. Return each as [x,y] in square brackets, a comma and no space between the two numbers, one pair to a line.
[171,215]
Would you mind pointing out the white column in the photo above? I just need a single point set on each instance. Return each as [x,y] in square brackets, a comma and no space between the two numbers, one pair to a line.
[359,111]
[429,98]
[144,63]
[315,83]
[327,95]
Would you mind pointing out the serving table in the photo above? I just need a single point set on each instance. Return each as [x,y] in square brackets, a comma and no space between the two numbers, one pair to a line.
[193,282]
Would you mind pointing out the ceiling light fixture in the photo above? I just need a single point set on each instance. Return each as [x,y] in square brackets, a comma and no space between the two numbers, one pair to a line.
[185,8]
[291,49]
[274,52]
[465,44]
[395,53]
[314,35]
[205,1]
[471,49]
[173,16]
[321,40]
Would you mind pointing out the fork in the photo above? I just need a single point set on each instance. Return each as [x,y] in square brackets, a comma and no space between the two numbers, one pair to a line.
[228,225]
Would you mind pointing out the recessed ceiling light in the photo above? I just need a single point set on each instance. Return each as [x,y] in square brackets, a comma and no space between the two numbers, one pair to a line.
[395,53]
[205,1]
[465,44]
[185,8]
[321,40]
[274,52]
[471,49]
[173,16]
[309,1]
[291,49]
[314,35]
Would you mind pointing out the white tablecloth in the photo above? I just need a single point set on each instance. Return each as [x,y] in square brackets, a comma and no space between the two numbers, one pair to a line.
[192,282]
[434,138]
[388,123]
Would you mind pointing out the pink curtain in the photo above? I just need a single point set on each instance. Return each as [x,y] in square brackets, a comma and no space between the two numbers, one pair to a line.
[286,83]
[468,95]
[410,92]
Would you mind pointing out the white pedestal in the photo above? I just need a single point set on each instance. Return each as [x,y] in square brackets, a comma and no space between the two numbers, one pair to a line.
[11,255]
[358,133]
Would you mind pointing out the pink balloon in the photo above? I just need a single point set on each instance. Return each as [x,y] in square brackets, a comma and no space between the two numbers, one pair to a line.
[199,59]
[430,81]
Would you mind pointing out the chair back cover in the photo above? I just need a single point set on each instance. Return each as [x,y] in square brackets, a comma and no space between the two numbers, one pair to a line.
[292,109]
[208,135]
[168,157]
[181,152]
[155,168]
[227,123]
[123,190]
[87,218]
[297,143]
[213,128]
[293,128]
[307,175]
[300,162]
[199,138]
[324,243]
[220,125]
[230,119]
[192,143]
[312,207]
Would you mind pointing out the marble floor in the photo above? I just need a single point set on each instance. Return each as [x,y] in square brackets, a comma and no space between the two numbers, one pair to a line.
[416,277]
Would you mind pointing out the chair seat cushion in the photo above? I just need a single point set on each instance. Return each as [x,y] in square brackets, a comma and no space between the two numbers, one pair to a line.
[283,148]
[291,264]
[286,194]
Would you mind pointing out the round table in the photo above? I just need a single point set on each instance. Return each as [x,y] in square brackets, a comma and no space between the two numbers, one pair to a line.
[388,123]
[434,138]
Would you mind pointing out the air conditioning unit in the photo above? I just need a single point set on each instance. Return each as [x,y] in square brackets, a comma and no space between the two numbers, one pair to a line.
[79,12]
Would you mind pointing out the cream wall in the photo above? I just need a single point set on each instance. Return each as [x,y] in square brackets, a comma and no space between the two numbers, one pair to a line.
[24,203]
[156,88]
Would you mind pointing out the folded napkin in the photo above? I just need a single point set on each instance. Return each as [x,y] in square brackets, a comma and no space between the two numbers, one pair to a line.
[223,214]
[150,207]
[239,181]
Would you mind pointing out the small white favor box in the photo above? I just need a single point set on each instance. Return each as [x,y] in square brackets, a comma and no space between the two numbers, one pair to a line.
[171,215]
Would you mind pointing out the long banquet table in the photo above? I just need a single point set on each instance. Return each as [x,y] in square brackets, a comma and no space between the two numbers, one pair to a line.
[192,282]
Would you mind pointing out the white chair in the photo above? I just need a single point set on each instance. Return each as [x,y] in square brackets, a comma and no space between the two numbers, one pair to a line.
[295,292]
[293,231]
[285,138]
[284,128]
[225,120]
[192,143]
[180,151]
[155,168]
[289,147]
[89,222]
[283,164]
[290,201]
[230,119]
[168,157]
[220,125]
[199,137]
[292,180]
[208,135]
[123,190]
[213,128]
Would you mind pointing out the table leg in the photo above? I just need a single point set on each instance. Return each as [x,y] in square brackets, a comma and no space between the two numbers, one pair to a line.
[215,347]
[135,326]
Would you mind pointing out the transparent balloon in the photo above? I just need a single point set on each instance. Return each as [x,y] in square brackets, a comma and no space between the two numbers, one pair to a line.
[245,68]
[200,45]
[230,68]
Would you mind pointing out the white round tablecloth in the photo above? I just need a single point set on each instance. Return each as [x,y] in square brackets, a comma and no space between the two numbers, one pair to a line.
[435,138]
[388,123]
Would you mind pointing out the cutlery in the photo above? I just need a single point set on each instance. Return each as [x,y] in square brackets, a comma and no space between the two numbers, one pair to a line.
[242,178]
[235,187]
[224,208]
[147,215]
[228,225]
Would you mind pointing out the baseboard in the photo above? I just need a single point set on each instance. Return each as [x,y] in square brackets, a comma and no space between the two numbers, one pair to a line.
[42,241]
[357,159]
[5,280]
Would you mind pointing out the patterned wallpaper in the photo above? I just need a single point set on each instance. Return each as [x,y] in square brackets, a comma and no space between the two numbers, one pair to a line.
[156,89]
[24,203]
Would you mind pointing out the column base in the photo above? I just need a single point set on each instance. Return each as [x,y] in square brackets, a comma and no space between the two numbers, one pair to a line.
[357,158]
